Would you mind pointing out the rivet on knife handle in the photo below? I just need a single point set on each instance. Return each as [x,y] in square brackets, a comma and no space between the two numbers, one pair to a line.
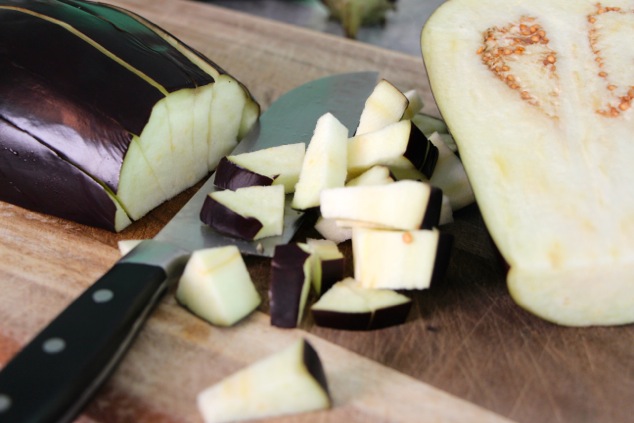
[53,376]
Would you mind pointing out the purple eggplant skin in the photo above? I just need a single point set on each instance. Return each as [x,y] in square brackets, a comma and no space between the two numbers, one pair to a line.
[443,256]
[371,320]
[315,368]
[421,152]
[231,176]
[226,221]
[332,271]
[431,218]
[62,190]
[82,93]
[288,279]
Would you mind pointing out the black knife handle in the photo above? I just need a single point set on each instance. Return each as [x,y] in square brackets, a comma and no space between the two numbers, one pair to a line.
[53,376]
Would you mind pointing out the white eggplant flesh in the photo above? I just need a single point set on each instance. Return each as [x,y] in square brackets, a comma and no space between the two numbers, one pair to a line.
[538,97]
[138,120]
[288,382]
[217,287]
[325,162]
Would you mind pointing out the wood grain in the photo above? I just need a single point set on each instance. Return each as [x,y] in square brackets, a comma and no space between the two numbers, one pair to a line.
[466,354]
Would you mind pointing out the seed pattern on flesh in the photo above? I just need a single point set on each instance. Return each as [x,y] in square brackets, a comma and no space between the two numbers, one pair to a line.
[520,56]
[610,32]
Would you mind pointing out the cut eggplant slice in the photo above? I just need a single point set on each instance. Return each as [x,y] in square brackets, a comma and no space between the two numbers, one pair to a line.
[248,213]
[217,287]
[429,124]
[401,146]
[328,266]
[399,205]
[329,229]
[376,175]
[130,125]
[414,105]
[400,259]
[385,105]
[288,382]
[291,269]
[348,305]
[278,165]
[538,97]
[325,162]
[450,175]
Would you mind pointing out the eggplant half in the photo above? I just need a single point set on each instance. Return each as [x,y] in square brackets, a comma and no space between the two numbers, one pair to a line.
[538,96]
[103,115]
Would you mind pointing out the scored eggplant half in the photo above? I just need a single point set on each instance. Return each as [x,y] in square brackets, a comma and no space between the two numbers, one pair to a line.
[538,97]
[103,115]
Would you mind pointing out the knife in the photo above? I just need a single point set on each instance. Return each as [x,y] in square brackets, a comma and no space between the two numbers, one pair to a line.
[57,373]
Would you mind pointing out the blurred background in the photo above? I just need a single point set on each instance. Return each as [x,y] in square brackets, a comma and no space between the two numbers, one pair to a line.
[400,31]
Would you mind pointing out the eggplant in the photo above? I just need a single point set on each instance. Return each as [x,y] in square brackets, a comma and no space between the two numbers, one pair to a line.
[104,115]
[217,287]
[288,382]
[538,97]
[291,269]
[398,205]
[249,213]
[348,305]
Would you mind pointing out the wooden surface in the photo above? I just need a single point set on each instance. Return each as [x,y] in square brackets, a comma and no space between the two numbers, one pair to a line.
[466,354]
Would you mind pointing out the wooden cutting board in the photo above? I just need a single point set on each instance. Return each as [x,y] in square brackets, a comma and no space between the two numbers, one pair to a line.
[466,354]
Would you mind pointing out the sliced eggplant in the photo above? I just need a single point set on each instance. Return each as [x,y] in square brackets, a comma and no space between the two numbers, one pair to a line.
[384,106]
[401,146]
[325,162]
[414,104]
[376,175]
[538,97]
[328,266]
[429,124]
[249,213]
[400,259]
[288,382]
[289,286]
[217,287]
[450,175]
[329,229]
[400,205]
[278,165]
[348,305]
[114,113]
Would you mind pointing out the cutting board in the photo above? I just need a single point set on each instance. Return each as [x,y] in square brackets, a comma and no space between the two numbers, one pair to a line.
[466,354]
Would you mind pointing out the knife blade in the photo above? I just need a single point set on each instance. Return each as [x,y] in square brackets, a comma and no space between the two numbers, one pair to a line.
[56,373]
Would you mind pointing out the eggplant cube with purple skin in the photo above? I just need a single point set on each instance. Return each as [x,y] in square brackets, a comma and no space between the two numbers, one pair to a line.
[217,287]
[248,213]
[289,286]
[328,264]
[279,165]
[400,259]
[401,146]
[288,382]
[350,306]
[405,205]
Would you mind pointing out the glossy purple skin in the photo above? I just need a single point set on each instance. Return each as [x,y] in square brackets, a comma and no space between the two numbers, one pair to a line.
[371,320]
[332,271]
[443,255]
[314,366]
[226,221]
[232,176]
[431,218]
[287,282]
[68,111]
[421,152]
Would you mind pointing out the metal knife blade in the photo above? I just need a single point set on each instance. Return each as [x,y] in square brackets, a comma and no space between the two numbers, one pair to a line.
[290,119]
[54,376]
